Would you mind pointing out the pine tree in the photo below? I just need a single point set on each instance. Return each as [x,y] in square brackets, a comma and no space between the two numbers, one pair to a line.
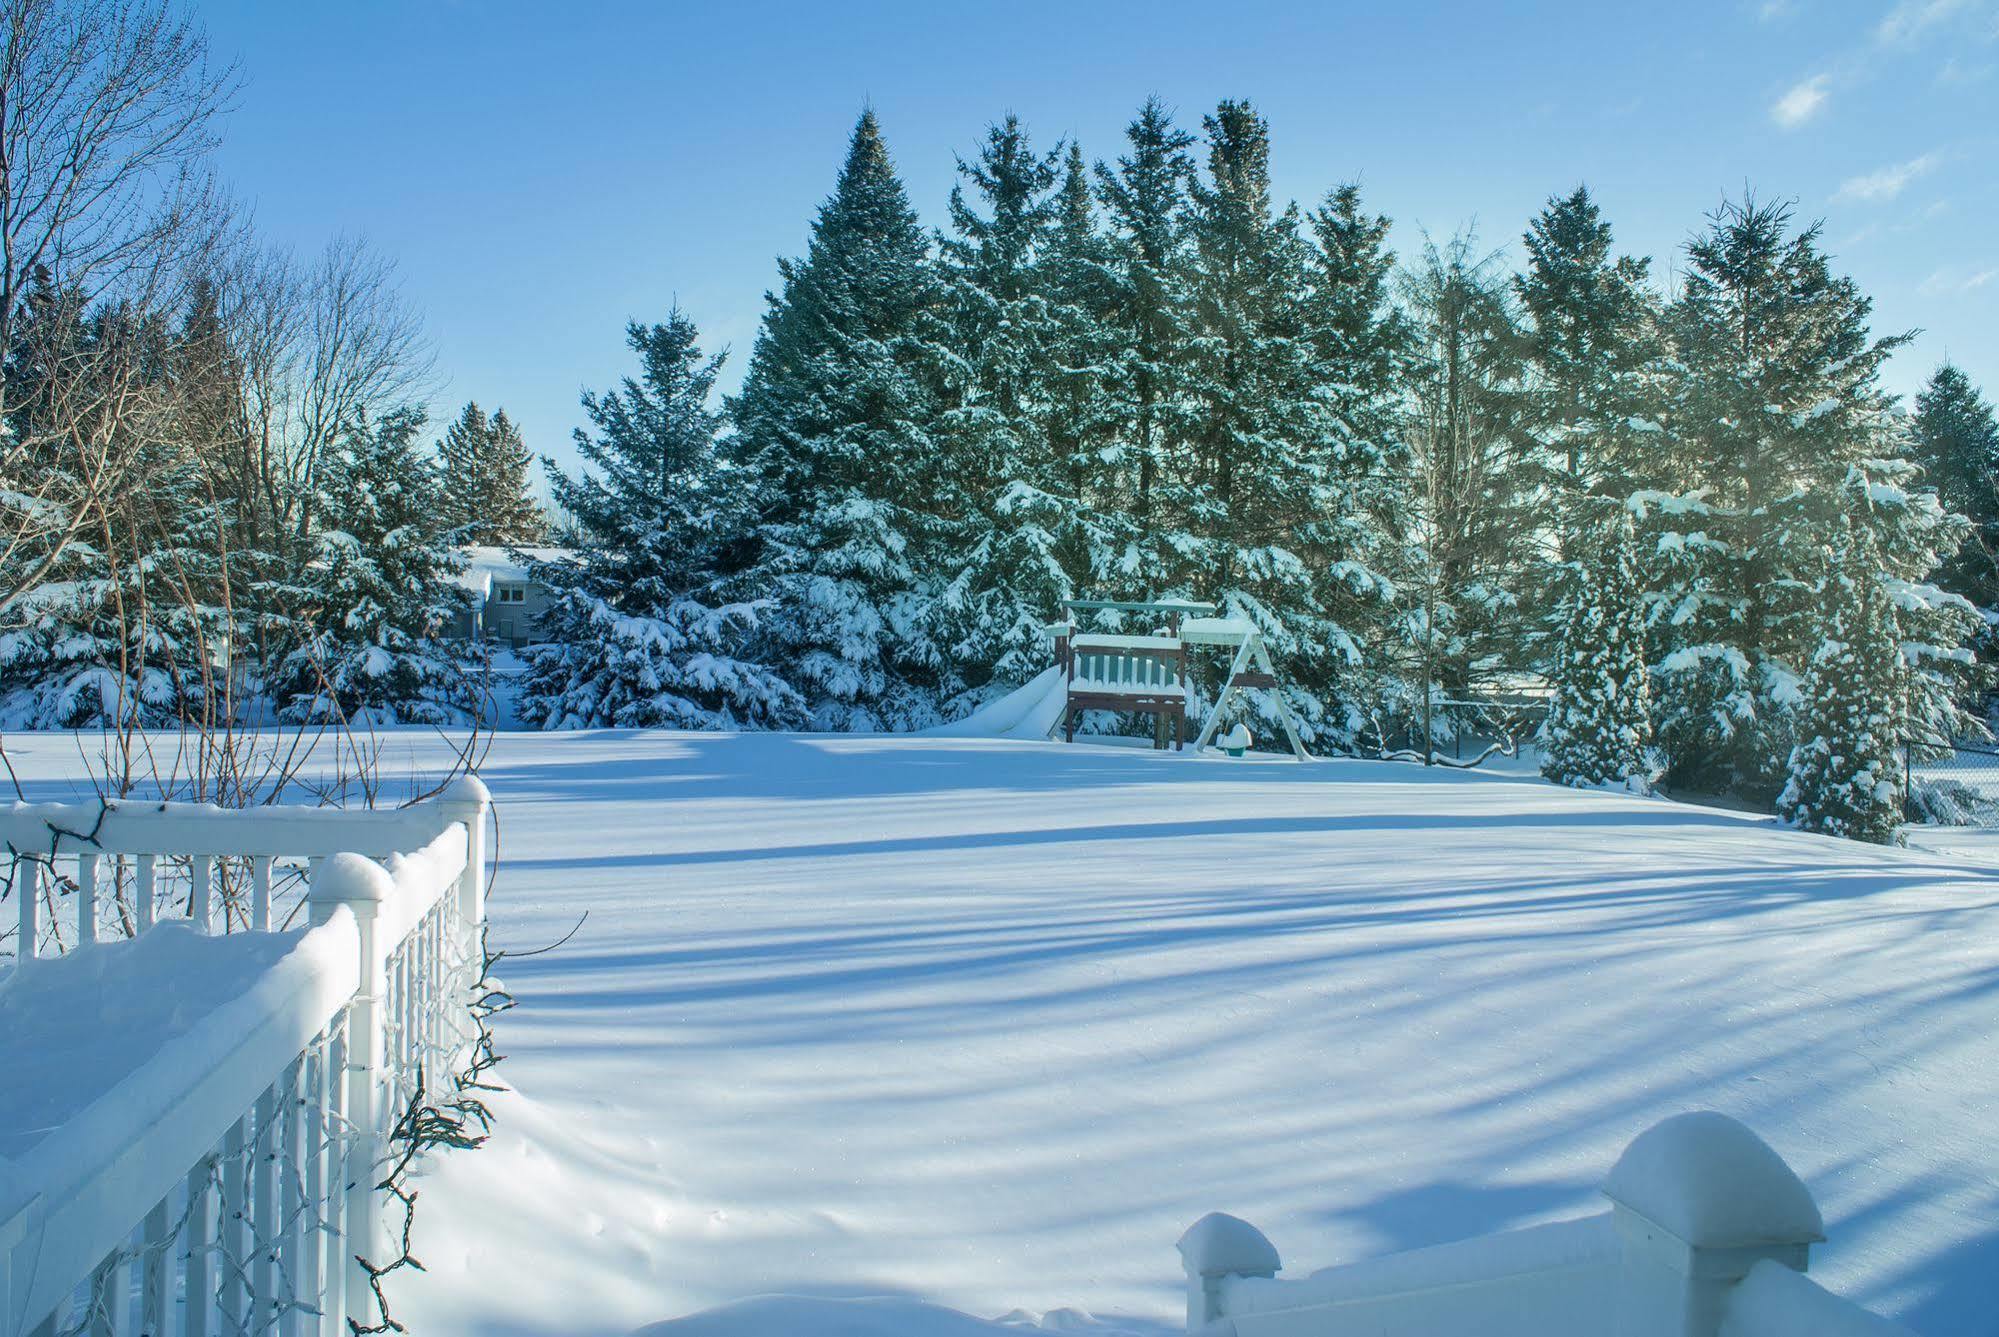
[1592,397]
[1077,280]
[461,471]
[1776,425]
[1599,725]
[1361,345]
[1145,201]
[1591,346]
[484,470]
[636,636]
[123,631]
[1844,776]
[1955,439]
[383,588]
[1261,472]
[834,433]
[1008,501]
[512,515]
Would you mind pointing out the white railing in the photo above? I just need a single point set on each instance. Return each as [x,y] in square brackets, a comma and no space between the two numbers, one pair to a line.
[1708,1235]
[222,1179]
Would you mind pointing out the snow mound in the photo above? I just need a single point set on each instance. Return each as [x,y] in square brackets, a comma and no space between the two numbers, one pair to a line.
[889,1316]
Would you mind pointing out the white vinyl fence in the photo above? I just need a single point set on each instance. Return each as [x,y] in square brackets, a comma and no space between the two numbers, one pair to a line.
[1707,1235]
[221,1177]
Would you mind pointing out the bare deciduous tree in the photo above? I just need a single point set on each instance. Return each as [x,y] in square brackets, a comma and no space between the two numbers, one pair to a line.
[107,117]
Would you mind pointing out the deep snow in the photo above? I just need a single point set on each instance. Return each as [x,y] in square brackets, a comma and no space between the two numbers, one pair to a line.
[988,1024]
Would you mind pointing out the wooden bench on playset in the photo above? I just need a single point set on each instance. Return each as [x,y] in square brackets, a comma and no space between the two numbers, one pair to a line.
[1147,674]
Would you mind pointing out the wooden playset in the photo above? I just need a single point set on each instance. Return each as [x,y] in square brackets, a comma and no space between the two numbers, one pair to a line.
[1147,673]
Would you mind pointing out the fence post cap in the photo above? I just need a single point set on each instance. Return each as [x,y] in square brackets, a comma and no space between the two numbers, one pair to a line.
[1709,1180]
[347,879]
[466,788]
[1220,1245]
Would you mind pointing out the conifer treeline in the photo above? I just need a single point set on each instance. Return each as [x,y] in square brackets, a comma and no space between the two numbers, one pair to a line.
[1151,378]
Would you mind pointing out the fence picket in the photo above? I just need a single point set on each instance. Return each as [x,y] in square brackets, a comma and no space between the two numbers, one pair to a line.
[142,889]
[86,898]
[199,875]
[28,898]
[259,1236]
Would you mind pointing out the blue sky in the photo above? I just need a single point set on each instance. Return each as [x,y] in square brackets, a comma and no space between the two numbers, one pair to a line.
[544,173]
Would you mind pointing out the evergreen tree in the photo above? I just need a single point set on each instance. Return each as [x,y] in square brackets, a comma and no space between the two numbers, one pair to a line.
[1591,347]
[1082,409]
[1592,395]
[1145,202]
[512,515]
[834,432]
[1361,347]
[483,469]
[1777,428]
[636,637]
[1955,439]
[1000,498]
[1844,776]
[374,653]
[1599,725]
[1260,472]
[461,471]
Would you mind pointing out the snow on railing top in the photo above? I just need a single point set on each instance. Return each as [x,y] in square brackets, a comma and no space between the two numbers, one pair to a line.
[1708,1235]
[83,1183]
[127,826]
[210,1112]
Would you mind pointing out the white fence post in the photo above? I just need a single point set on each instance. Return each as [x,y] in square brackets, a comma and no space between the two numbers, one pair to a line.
[467,800]
[1216,1247]
[362,885]
[1698,1200]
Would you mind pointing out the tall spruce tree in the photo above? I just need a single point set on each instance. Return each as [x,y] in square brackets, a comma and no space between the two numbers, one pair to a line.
[1259,473]
[1145,199]
[1361,347]
[835,435]
[636,636]
[484,472]
[461,465]
[1777,428]
[1844,777]
[512,515]
[125,630]
[1082,408]
[1005,502]
[1591,323]
[1955,439]
[376,652]
[1599,725]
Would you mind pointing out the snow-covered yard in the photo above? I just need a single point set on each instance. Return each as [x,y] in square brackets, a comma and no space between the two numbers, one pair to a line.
[987,1024]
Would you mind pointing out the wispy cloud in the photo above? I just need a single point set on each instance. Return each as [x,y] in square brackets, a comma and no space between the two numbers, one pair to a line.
[1886,183]
[1802,102]
[1908,26]
[1954,280]
[1956,72]
[1910,19]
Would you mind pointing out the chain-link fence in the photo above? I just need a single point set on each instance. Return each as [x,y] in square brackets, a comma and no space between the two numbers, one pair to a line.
[1952,785]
